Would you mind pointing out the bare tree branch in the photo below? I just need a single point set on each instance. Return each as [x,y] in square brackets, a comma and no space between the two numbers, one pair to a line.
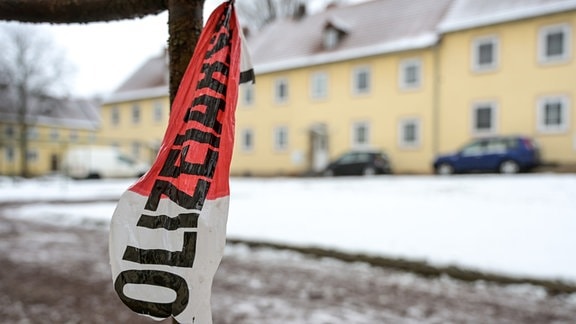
[78,11]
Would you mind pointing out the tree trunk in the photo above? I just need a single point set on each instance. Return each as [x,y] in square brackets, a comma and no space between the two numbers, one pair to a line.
[185,23]
[23,130]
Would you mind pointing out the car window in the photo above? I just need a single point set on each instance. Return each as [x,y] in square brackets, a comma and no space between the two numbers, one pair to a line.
[495,146]
[348,158]
[511,143]
[475,148]
[363,157]
[125,159]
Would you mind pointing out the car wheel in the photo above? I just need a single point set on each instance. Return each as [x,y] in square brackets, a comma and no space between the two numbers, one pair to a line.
[93,175]
[445,169]
[369,171]
[509,167]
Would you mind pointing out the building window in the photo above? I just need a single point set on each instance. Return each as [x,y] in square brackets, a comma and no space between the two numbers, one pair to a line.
[158,111]
[281,138]
[92,137]
[553,114]
[484,118]
[54,134]
[9,131]
[330,37]
[360,134]
[114,115]
[361,80]
[32,155]
[554,43]
[33,133]
[73,135]
[247,138]
[409,132]
[410,73]
[247,94]
[319,85]
[9,154]
[281,90]
[485,52]
[135,114]
[136,149]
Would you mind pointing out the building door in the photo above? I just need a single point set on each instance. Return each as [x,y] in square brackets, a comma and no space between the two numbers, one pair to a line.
[54,165]
[319,156]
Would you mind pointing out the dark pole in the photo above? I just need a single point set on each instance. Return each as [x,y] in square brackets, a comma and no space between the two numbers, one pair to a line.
[185,23]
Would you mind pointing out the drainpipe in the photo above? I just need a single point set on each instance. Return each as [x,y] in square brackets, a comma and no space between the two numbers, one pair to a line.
[436,102]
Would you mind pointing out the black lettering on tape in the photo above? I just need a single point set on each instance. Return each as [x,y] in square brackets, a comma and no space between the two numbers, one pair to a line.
[182,199]
[209,117]
[196,135]
[209,81]
[206,169]
[187,220]
[153,278]
[184,258]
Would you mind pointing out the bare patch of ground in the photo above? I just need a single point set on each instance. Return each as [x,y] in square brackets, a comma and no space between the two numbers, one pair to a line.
[61,275]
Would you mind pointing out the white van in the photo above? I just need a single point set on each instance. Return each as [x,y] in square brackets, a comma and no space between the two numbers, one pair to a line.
[96,162]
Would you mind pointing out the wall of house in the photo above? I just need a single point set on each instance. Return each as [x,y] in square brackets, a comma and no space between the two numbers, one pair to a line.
[138,136]
[47,145]
[382,108]
[515,85]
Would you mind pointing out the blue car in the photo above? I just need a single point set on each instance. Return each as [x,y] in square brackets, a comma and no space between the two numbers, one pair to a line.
[510,154]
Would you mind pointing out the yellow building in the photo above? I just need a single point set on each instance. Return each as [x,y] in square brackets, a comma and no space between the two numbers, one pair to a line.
[134,117]
[412,78]
[509,71]
[51,126]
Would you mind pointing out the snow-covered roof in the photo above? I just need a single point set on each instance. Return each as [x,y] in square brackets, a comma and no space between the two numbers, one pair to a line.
[465,14]
[372,28]
[51,111]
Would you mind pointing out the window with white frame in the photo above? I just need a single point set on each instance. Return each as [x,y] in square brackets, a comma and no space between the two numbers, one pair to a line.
[281,90]
[54,134]
[319,85]
[135,114]
[361,80]
[9,131]
[73,135]
[247,94]
[114,115]
[554,43]
[32,133]
[483,118]
[330,37]
[136,149]
[158,111]
[247,139]
[409,132]
[92,137]
[485,53]
[281,138]
[553,114]
[360,134]
[410,73]
[9,154]
[32,155]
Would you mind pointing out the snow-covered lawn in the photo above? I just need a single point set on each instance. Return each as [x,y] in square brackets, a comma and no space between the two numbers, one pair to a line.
[519,225]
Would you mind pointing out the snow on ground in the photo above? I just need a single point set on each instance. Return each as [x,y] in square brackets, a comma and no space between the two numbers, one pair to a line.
[519,225]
